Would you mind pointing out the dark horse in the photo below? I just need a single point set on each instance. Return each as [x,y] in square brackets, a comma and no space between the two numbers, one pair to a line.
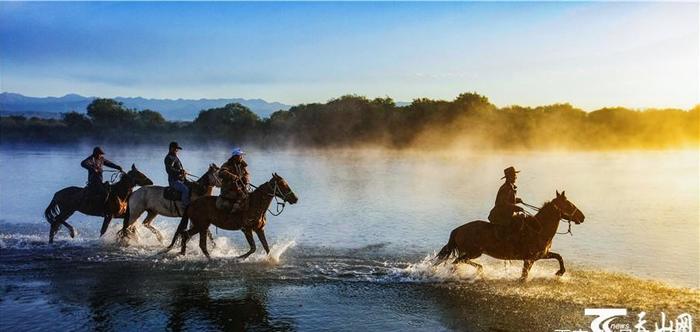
[475,238]
[68,200]
[203,212]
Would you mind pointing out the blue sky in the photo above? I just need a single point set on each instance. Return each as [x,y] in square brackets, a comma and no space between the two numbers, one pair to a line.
[590,54]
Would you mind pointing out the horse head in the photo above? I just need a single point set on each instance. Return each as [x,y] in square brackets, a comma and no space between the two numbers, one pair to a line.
[282,189]
[138,178]
[211,177]
[568,210]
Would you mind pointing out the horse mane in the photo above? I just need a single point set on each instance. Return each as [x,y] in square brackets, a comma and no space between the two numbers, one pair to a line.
[547,206]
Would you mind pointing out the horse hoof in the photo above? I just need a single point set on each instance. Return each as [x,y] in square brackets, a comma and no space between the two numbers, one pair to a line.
[560,273]
[73,233]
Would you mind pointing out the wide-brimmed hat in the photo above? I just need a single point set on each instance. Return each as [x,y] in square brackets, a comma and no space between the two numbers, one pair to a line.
[97,151]
[509,171]
[175,146]
[237,152]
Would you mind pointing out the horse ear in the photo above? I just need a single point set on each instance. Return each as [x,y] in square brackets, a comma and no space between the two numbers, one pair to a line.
[558,193]
[563,193]
[133,167]
[275,174]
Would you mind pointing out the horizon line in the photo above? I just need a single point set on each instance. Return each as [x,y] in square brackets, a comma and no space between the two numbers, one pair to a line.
[697,104]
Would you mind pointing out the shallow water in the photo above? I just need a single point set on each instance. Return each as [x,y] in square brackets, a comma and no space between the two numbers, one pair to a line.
[355,252]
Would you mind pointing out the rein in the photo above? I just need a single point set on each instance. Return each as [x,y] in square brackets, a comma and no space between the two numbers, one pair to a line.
[560,218]
[280,205]
[115,177]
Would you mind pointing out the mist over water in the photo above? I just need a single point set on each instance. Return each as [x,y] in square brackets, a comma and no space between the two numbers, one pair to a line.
[355,251]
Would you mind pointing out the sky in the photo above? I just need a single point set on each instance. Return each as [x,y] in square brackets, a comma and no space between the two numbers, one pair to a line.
[590,54]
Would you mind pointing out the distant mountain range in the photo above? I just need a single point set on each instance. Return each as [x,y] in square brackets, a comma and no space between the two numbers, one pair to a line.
[171,109]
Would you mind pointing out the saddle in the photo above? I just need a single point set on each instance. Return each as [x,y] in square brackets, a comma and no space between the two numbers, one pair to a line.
[172,194]
[232,205]
[509,230]
[96,203]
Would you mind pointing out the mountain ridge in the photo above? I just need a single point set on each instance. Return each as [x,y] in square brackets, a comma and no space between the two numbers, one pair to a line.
[180,109]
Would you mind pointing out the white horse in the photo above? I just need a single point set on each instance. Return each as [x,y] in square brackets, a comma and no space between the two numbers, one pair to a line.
[150,199]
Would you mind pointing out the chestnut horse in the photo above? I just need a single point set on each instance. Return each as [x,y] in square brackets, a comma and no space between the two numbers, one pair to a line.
[203,212]
[68,200]
[475,238]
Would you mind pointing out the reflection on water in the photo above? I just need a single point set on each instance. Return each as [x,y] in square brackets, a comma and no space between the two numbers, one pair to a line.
[352,253]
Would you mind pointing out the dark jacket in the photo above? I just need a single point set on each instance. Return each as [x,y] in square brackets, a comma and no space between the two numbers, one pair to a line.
[235,179]
[505,205]
[174,168]
[94,167]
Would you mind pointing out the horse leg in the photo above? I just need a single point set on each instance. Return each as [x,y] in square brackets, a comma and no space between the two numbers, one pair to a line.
[54,228]
[203,243]
[62,218]
[70,229]
[263,240]
[554,255]
[466,258]
[133,214]
[211,238]
[527,265]
[248,236]
[105,224]
[147,223]
[186,235]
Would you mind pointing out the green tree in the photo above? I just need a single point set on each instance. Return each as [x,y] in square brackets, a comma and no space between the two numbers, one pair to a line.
[106,112]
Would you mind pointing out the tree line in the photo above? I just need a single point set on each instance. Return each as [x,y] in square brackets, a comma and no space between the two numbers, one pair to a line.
[468,121]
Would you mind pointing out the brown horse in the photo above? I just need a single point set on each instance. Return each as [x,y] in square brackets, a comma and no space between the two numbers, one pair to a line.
[475,238]
[68,200]
[203,212]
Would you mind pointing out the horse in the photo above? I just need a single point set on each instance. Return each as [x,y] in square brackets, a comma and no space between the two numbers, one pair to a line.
[478,237]
[203,212]
[152,200]
[68,200]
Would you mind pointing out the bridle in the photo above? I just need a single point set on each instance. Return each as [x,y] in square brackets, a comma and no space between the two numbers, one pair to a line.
[562,216]
[276,190]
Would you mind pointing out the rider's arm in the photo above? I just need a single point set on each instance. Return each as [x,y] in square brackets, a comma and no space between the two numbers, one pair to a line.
[225,174]
[170,167]
[88,164]
[112,165]
[503,198]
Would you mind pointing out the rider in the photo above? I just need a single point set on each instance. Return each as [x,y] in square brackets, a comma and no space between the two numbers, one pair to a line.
[506,212]
[93,164]
[235,180]
[176,173]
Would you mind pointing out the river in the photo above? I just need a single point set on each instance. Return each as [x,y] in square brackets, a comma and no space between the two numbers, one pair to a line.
[355,252]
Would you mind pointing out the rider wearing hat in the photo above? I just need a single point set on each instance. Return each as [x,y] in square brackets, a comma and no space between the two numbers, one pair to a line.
[93,164]
[235,179]
[176,173]
[506,209]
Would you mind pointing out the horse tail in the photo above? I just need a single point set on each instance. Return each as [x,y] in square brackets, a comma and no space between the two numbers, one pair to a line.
[52,211]
[448,249]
